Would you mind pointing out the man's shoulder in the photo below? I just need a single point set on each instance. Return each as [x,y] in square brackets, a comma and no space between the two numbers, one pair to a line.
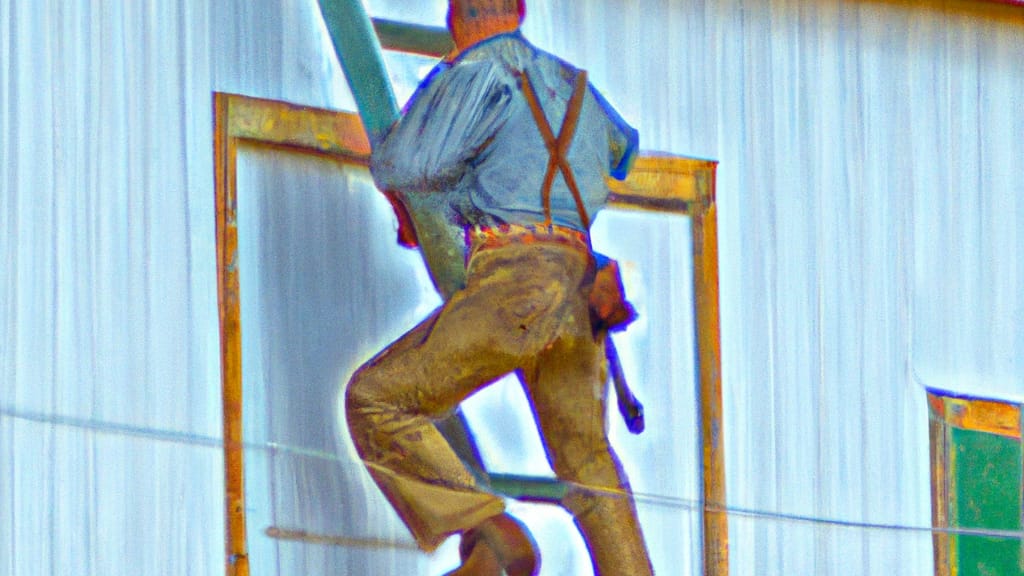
[467,67]
[533,56]
[500,48]
[512,50]
[547,59]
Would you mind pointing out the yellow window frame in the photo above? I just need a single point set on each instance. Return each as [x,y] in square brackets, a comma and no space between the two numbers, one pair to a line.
[658,182]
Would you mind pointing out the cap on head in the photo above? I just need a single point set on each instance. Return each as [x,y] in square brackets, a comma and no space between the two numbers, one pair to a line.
[473,20]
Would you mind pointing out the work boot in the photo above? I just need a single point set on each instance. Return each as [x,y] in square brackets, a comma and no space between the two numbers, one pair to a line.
[499,545]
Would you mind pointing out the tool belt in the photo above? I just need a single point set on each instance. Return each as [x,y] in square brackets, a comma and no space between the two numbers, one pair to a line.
[486,237]
[607,304]
[609,309]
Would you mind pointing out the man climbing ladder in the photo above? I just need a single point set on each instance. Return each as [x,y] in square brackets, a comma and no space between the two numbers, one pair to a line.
[477,143]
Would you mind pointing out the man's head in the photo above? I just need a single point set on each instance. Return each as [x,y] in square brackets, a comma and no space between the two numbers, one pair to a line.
[471,21]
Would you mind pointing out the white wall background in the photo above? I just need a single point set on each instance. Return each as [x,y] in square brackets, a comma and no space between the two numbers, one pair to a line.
[868,212]
[868,227]
[109,351]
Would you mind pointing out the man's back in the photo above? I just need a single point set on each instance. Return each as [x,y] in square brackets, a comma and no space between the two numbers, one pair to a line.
[477,141]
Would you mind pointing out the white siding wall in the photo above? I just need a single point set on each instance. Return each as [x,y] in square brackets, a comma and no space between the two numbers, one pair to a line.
[869,246]
[869,212]
[109,352]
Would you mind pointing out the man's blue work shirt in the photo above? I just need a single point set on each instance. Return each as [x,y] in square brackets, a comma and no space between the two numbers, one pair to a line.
[468,133]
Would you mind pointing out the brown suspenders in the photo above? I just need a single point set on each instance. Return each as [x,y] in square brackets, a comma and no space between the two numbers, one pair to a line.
[558,146]
[613,311]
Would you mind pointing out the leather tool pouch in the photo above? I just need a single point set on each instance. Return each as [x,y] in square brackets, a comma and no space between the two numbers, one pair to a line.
[609,309]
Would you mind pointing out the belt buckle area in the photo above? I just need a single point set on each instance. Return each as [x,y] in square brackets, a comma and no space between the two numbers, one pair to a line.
[480,237]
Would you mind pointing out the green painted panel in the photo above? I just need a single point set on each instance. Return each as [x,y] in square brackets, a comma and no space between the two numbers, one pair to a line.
[986,494]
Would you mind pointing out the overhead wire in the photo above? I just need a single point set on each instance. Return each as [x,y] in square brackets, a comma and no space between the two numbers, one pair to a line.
[641,498]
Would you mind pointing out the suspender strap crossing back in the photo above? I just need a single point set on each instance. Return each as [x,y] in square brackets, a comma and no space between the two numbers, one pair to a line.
[609,305]
[558,147]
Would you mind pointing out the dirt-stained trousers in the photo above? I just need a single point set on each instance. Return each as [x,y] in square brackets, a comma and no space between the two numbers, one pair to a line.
[524,308]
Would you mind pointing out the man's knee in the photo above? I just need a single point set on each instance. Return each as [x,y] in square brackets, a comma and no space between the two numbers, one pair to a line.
[356,392]
[362,398]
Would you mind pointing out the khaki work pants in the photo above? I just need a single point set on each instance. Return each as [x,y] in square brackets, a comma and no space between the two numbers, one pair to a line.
[524,308]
